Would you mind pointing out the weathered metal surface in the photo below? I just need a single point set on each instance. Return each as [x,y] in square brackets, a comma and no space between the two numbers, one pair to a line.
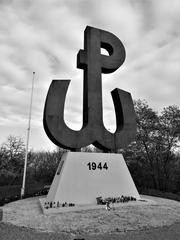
[93,130]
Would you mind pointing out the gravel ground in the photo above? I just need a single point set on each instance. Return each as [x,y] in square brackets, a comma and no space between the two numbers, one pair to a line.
[11,232]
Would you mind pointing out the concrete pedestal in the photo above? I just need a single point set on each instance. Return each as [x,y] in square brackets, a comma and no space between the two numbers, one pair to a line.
[82,177]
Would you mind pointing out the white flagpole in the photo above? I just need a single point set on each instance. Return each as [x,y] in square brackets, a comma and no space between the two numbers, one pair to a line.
[27,141]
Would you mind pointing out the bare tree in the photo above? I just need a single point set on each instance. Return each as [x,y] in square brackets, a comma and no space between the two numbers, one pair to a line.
[12,154]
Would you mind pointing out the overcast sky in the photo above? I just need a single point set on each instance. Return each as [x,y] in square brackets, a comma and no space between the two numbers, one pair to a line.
[45,35]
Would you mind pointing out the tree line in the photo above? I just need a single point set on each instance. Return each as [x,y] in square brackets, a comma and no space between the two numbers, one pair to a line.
[153,158]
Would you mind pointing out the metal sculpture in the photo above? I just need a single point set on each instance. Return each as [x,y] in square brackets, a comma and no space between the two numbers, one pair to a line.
[93,130]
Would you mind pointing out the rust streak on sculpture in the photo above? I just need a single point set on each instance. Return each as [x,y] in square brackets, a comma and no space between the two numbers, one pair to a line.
[93,130]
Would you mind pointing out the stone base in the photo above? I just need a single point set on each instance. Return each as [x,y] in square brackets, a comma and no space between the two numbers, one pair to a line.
[81,177]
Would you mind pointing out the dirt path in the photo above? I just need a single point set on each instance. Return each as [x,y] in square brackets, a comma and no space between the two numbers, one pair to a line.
[11,232]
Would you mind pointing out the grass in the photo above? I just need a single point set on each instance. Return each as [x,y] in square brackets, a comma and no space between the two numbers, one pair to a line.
[124,217]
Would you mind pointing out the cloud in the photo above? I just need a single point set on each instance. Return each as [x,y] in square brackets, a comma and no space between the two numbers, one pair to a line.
[44,36]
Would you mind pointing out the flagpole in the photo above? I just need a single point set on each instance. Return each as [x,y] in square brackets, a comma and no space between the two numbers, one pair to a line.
[27,141]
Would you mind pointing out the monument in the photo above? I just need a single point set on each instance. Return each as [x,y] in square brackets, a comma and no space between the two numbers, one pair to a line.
[82,177]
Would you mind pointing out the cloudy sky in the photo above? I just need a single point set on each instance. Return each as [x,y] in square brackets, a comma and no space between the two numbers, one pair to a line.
[45,35]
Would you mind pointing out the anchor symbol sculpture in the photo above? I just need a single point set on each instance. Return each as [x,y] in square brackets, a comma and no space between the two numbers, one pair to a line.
[93,130]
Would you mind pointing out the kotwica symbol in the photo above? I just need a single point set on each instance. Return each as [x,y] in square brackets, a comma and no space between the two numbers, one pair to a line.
[93,130]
